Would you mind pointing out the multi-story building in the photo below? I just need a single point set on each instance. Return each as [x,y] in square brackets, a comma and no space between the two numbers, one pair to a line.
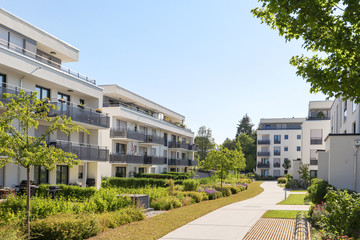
[339,163]
[145,136]
[295,139]
[32,59]
[278,139]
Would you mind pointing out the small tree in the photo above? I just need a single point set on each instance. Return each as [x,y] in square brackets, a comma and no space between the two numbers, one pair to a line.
[304,173]
[286,164]
[18,146]
[205,141]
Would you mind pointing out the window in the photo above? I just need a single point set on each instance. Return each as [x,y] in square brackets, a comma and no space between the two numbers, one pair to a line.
[353,106]
[152,170]
[277,151]
[172,169]
[82,101]
[3,80]
[120,148]
[298,136]
[62,174]
[183,155]
[313,173]
[121,171]
[164,170]
[298,148]
[354,127]
[41,175]
[345,110]
[286,136]
[277,139]
[81,172]
[285,149]
[42,92]
[141,170]
[267,127]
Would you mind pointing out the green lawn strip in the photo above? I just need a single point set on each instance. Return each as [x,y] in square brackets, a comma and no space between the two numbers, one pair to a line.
[294,199]
[160,225]
[304,191]
[289,214]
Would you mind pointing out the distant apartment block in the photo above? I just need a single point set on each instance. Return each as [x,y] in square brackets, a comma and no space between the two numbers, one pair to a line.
[294,139]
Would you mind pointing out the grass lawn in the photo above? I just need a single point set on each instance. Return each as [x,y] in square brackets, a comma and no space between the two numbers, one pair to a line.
[280,214]
[158,226]
[294,199]
[298,191]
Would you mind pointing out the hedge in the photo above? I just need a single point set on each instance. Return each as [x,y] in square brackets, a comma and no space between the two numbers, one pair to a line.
[317,190]
[69,191]
[175,176]
[135,182]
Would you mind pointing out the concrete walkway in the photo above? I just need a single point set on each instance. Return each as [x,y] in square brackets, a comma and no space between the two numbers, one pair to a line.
[232,222]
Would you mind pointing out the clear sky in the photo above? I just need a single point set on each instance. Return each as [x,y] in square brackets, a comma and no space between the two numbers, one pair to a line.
[210,61]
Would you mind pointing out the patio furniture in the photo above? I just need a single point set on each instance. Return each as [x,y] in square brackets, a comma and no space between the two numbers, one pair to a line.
[5,192]
[54,191]
[23,186]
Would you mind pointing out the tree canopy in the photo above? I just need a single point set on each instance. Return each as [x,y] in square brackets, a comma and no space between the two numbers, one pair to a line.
[205,141]
[331,30]
[244,126]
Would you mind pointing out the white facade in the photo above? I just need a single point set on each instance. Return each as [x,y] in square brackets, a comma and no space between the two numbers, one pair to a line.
[144,136]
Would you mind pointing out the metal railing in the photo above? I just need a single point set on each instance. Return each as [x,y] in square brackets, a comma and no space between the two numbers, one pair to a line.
[192,162]
[313,162]
[277,152]
[183,145]
[125,158]
[178,162]
[301,230]
[154,160]
[276,165]
[154,139]
[263,142]
[83,151]
[263,165]
[79,113]
[127,133]
[316,141]
[11,89]
[264,153]
[18,49]
[277,141]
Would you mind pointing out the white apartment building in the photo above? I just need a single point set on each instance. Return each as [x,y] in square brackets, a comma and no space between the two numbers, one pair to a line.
[278,139]
[145,137]
[295,139]
[339,163]
[31,59]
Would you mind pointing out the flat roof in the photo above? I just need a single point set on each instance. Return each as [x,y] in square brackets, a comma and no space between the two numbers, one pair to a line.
[282,120]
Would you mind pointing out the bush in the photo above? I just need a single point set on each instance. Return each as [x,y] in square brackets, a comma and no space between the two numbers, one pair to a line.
[10,233]
[282,180]
[136,182]
[65,226]
[225,190]
[68,191]
[317,190]
[166,203]
[191,185]
[197,196]
[295,184]
[170,175]
[212,193]
[120,217]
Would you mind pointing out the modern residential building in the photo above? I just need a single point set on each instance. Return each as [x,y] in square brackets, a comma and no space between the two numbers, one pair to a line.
[278,139]
[339,163]
[31,59]
[145,137]
[295,139]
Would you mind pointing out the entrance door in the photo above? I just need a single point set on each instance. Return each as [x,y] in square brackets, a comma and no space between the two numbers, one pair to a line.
[120,172]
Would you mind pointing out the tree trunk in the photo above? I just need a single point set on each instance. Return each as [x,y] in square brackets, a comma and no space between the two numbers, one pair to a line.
[28,201]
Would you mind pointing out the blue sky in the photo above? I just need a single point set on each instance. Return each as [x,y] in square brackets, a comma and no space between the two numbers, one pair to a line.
[211,61]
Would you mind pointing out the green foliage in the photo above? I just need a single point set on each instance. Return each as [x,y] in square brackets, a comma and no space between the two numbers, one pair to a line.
[135,182]
[177,176]
[330,31]
[69,192]
[10,233]
[166,203]
[244,127]
[286,164]
[120,217]
[317,190]
[197,196]
[191,185]
[304,173]
[205,141]
[282,180]
[65,226]
[225,190]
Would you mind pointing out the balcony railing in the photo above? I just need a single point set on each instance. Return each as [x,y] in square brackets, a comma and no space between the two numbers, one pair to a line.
[313,162]
[18,49]
[263,142]
[127,133]
[316,141]
[154,160]
[277,153]
[83,151]
[178,162]
[276,165]
[192,162]
[277,141]
[154,139]
[263,165]
[264,153]
[80,114]
[137,159]
[11,89]
[183,145]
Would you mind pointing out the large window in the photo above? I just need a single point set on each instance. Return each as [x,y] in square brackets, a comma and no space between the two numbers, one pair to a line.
[42,92]
[41,175]
[120,172]
[277,139]
[3,79]
[62,174]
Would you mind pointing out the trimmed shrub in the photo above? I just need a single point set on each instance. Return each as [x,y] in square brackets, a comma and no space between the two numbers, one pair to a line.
[65,226]
[191,185]
[196,196]
[136,182]
[212,193]
[317,190]
[68,191]
[166,203]
[10,233]
[282,180]
[175,176]
[225,190]
[120,217]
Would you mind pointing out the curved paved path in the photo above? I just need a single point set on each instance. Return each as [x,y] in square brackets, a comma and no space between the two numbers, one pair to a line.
[233,221]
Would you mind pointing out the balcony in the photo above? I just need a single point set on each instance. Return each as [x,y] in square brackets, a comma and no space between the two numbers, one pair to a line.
[178,162]
[276,165]
[153,160]
[263,142]
[127,133]
[263,165]
[80,114]
[83,151]
[316,141]
[313,162]
[20,50]
[192,162]
[154,139]
[136,159]
[264,154]
[277,141]
[11,89]
[183,145]
[277,152]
